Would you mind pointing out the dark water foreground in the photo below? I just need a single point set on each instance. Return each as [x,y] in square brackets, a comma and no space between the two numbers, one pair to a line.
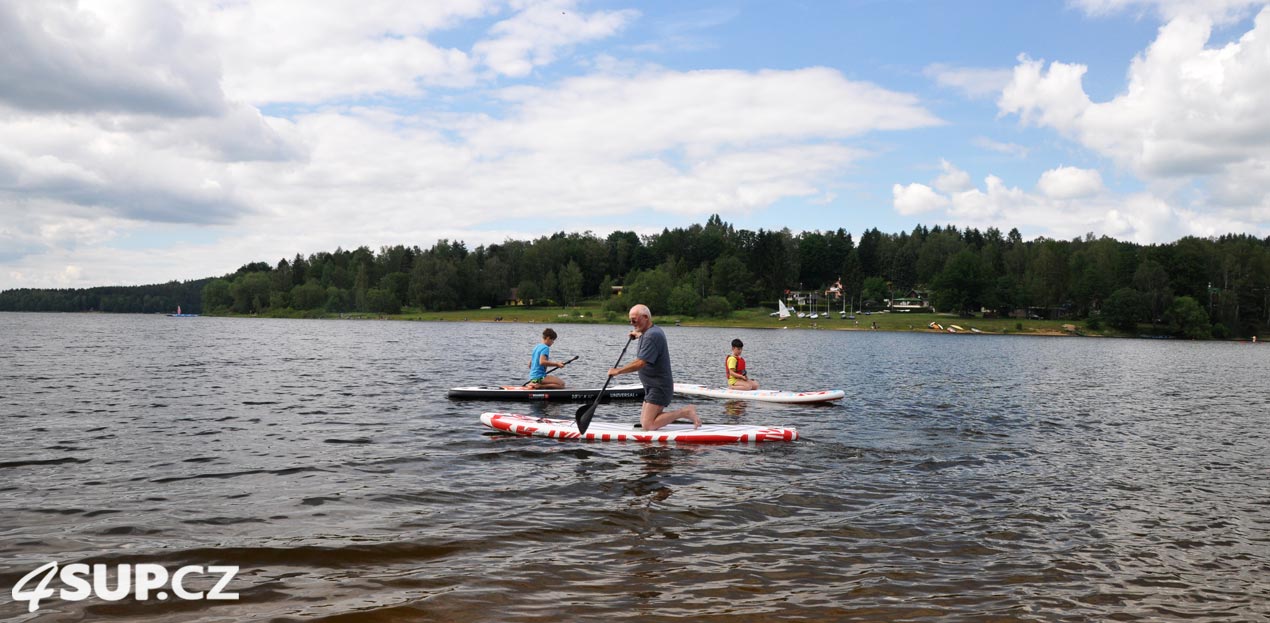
[965,478]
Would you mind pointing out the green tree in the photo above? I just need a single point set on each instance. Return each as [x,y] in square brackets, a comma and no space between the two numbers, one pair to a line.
[875,291]
[1153,282]
[616,305]
[308,296]
[1123,309]
[652,288]
[684,300]
[730,278]
[216,296]
[360,285]
[1188,319]
[382,301]
[529,292]
[716,306]
[570,283]
[398,283]
[495,281]
[775,260]
[961,285]
[433,283]
[251,292]
[338,300]
[550,288]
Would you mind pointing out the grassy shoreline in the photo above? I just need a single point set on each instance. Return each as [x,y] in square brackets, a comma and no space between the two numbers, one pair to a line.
[752,318]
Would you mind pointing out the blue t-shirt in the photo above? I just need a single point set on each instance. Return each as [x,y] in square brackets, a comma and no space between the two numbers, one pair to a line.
[536,369]
[656,355]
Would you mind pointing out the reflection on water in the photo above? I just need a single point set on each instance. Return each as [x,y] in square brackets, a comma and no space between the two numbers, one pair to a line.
[963,478]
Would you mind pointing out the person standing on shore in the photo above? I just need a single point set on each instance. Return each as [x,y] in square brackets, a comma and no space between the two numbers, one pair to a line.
[652,361]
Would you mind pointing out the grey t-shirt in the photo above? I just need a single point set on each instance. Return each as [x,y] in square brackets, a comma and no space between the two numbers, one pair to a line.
[656,355]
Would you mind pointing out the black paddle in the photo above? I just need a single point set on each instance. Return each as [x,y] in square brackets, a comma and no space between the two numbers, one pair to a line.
[586,412]
[565,363]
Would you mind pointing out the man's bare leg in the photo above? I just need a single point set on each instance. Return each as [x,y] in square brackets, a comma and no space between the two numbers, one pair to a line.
[653,417]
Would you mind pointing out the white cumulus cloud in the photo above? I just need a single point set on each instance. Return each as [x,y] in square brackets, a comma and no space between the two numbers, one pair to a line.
[1070,183]
[1189,112]
[916,199]
[952,179]
[536,33]
[1220,10]
[975,82]
[1067,202]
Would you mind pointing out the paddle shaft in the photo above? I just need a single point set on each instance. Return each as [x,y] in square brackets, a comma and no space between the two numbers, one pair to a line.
[565,363]
[583,416]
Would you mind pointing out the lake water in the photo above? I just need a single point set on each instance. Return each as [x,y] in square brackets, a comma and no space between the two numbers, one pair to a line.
[964,478]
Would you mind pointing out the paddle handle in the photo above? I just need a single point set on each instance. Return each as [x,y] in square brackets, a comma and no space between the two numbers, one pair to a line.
[569,361]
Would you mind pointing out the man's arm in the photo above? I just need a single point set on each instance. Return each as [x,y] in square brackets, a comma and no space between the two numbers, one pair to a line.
[628,368]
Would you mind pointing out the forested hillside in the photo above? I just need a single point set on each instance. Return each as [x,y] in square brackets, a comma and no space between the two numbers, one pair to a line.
[1218,286]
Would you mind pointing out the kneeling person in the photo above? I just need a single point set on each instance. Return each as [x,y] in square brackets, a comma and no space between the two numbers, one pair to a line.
[735,365]
[653,363]
[540,360]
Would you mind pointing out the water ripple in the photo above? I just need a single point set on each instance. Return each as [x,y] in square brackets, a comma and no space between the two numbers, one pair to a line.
[980,478]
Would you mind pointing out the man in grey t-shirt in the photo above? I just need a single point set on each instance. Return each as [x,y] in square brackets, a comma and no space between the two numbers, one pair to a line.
[653,363]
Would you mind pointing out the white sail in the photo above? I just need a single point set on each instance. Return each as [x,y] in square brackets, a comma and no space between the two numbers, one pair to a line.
[783,313]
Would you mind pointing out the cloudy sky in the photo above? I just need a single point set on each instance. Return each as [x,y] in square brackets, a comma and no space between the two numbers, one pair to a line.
[143,141]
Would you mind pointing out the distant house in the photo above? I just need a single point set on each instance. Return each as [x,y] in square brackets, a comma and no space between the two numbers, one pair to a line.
[912,301]
[514,300]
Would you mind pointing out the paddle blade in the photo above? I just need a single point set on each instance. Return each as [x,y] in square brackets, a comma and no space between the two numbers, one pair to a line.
[584,415]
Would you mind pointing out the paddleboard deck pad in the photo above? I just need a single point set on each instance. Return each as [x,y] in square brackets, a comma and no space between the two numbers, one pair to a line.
[514,392]
[764,395]
[612,431]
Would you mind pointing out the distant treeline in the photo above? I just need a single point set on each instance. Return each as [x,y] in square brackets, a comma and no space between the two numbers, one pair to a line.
[1195,286]
[150,299]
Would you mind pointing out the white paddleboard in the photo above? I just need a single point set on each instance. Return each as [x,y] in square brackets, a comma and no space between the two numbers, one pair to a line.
[613,431]
[765,395]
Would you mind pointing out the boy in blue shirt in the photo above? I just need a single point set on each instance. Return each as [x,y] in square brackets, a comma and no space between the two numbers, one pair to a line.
[540,360]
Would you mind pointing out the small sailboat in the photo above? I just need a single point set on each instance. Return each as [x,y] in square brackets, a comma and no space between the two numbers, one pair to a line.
[783,312]
[178,314]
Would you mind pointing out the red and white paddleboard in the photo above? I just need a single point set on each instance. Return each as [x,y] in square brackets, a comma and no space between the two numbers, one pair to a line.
[763,395]
[612,431]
